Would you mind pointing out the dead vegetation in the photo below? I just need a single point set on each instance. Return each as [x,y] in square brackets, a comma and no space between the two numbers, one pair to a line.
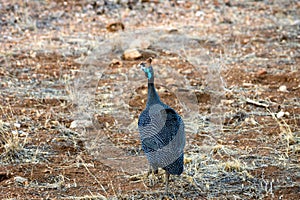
[70,100]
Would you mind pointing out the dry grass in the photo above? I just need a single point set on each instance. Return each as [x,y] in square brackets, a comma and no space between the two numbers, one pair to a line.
[11,144]
[239,145]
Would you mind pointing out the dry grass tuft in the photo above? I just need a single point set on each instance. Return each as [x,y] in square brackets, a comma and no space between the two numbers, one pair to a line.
[11,146]
[232,166]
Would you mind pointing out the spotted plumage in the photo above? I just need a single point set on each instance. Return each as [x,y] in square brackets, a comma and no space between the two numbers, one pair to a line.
[161,131]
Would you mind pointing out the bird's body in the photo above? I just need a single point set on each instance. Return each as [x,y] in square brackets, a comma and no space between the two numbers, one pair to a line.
[161,132]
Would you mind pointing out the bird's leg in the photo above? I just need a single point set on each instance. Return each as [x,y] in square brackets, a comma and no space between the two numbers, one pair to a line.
[167,175]
[149,171]
[152,172]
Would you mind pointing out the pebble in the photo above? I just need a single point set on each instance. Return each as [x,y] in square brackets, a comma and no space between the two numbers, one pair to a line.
[186,71]
[283,88]
[21,180]
[116,26]
[262,72]
[116,63]
[247,84]
[81,124]
[227,102]
[17,125]
[132,54]
[281,114]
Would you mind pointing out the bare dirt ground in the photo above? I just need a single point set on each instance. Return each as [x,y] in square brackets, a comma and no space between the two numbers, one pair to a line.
[71,95]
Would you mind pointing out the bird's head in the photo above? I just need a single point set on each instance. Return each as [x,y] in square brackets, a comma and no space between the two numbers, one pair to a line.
[147,68]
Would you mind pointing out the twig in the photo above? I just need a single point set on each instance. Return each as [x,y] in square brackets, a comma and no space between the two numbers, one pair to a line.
[92,175]
[257,103]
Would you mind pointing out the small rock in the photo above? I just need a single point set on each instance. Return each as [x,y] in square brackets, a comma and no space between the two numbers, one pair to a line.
[32,54]
[81,124]
[15,132]
[172,30]
[21,180]
[283,88]
[186,71]
[262,72]
[17,125]
[116,63]
[286,113]
[116,26]
[23,134]
[167,52]
[132,54]
[227,102]
[187,160]
[3,84]
[199,13]
[247,84]
[281,114]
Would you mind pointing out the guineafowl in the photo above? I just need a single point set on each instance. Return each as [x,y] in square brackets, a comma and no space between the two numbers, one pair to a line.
[161,131]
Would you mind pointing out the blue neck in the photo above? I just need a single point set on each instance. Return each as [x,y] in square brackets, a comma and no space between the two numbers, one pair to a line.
[153,97]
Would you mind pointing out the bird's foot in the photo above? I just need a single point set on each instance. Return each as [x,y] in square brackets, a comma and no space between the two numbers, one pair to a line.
[153,179]
[149,178]
[167,176]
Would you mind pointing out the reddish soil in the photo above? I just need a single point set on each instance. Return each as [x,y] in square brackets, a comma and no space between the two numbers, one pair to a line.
[230,68]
